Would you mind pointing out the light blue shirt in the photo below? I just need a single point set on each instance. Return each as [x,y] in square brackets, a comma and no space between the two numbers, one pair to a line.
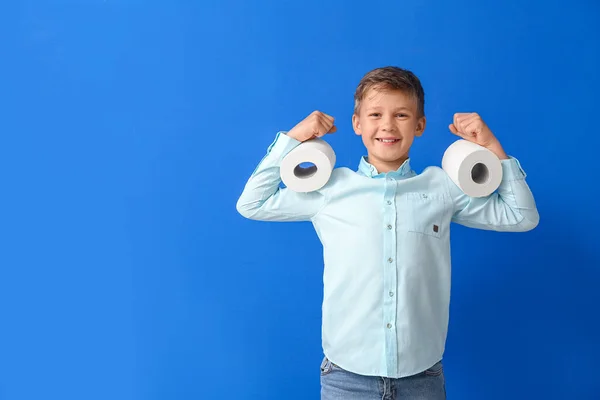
[386,249]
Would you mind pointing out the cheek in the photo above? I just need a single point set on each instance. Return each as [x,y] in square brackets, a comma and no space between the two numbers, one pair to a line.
[370,128]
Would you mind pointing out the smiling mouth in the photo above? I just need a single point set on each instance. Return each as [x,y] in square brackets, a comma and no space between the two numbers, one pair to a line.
[388,141]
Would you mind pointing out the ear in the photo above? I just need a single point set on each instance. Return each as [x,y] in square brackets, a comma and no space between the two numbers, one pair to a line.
[356,124]
[420,126]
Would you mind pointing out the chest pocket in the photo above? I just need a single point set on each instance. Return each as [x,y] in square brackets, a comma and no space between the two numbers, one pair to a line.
[426,214]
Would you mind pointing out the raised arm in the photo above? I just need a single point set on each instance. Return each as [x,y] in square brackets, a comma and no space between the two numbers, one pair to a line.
[512,207]
[263,198]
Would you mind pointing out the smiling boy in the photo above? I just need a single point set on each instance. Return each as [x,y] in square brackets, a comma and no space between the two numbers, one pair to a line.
[385,232]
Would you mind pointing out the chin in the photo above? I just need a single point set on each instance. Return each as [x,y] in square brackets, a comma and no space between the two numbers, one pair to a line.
[391,158]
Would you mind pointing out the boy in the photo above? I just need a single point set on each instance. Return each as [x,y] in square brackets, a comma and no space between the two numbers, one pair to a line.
[385,232]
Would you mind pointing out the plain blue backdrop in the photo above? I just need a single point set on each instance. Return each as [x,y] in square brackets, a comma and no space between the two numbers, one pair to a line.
[130,127]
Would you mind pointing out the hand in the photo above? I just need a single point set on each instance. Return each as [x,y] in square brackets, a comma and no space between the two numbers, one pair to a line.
[317,124]
[470,126]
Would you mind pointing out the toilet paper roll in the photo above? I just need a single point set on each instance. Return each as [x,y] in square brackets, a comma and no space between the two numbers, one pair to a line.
[473,168]
[300,179]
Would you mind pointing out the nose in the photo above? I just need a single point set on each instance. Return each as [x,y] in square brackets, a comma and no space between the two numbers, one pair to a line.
[388,124]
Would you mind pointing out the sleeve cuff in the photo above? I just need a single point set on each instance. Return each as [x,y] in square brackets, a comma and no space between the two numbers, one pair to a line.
[282,145]
[512,170]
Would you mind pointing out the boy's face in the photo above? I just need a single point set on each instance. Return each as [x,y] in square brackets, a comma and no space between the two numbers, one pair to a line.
[387,121]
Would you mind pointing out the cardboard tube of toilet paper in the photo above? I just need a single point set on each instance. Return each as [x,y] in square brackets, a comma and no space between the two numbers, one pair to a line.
[299,179]
[473,168]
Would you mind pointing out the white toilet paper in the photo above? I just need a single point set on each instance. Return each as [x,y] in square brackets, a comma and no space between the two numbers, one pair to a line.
[299,179]
[473,168]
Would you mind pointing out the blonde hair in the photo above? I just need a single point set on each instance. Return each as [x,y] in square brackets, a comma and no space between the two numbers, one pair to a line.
[391,78]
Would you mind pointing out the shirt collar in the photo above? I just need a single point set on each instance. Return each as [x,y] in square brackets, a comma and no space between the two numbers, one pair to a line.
[405,171]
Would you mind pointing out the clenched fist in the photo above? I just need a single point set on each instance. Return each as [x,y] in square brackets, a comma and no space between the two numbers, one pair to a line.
[470,126]
[317,124]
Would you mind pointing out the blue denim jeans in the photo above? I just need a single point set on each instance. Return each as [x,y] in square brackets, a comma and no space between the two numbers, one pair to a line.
[339,384]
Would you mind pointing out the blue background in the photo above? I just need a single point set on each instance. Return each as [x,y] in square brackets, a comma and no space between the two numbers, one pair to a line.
[130,127]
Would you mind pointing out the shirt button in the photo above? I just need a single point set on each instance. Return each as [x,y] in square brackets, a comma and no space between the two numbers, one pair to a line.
[390,260]
[389,227]
[389,326]
[389,202]
[391,294]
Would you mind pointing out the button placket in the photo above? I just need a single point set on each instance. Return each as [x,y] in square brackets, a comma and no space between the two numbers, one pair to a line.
[390,274]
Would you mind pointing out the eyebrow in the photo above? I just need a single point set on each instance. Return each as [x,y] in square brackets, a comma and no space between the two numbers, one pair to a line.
[396,109]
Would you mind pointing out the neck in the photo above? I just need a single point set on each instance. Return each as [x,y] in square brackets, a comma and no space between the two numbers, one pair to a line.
[386,166]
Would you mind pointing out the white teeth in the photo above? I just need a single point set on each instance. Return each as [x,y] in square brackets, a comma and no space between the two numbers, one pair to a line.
[388,140]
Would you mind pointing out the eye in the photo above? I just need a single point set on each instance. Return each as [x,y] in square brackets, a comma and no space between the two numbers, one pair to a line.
[374,115]
[401,115]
